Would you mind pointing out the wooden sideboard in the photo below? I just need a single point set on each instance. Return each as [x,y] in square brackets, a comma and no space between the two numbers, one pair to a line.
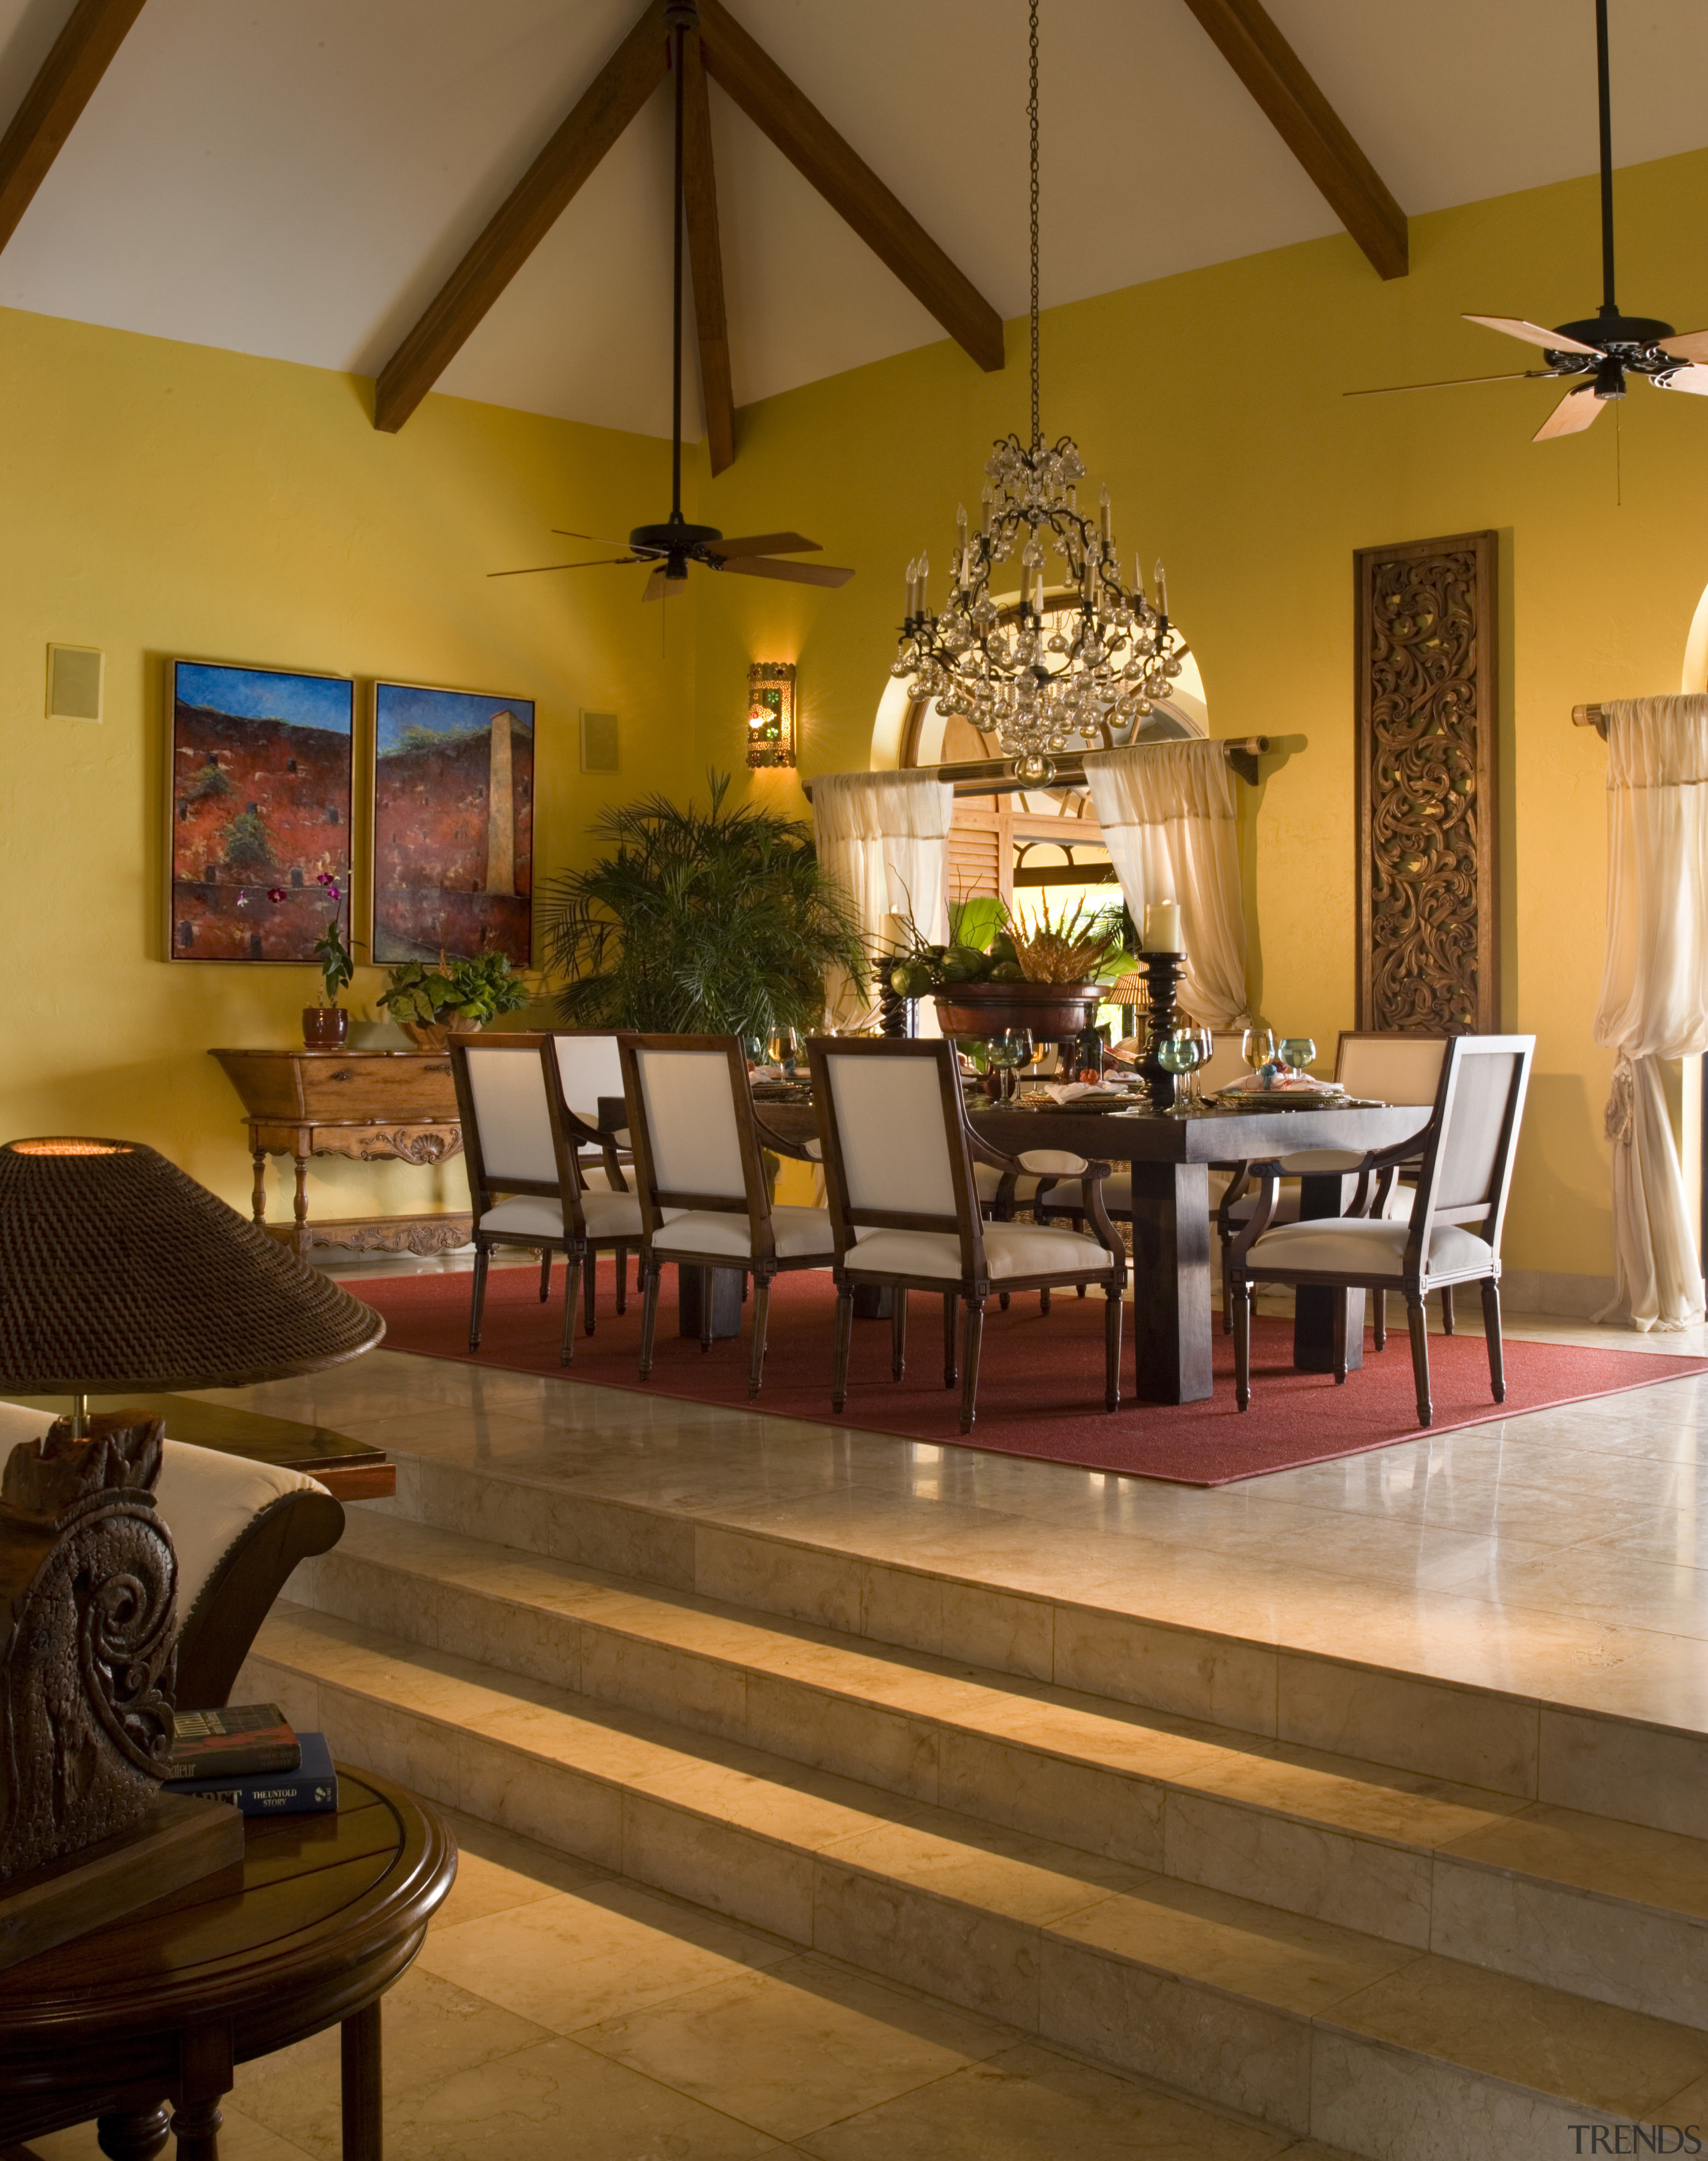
[367,1106]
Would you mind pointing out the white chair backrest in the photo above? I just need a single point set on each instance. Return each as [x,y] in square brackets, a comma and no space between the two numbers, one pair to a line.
[1392,1069]
[508,1089]
[1474,1155]
[892,1133]
[691,1121]
[590,1067]
[1224,1065]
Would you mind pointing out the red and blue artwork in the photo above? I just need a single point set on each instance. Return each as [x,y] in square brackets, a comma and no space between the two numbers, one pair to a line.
[261,786]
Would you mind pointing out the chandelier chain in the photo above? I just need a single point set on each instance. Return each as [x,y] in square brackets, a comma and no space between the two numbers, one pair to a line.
[1032,114]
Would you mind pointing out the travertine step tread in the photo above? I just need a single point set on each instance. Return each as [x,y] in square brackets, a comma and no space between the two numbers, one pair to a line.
[1598,1857]
[1520,2032]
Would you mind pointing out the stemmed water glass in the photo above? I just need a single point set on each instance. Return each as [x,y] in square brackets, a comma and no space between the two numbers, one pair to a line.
[1257,1047]
[1206,1050]
[1006,1053]
[1181,1054]
[1297,1052]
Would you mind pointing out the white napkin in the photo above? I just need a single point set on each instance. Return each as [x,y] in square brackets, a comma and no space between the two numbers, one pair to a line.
[764,1072]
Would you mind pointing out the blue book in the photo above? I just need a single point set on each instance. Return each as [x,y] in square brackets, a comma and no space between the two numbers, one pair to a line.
[311,1790]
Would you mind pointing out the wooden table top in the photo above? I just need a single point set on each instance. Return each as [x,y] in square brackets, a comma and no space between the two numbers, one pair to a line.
[349,1470]
[326,1912]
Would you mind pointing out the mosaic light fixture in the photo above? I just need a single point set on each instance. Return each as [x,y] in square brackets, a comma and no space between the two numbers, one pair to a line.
[771,713]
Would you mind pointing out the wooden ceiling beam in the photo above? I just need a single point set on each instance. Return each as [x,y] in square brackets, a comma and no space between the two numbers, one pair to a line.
[848,184]
[705,260]
[82,53]
[1311,128]
[623,85]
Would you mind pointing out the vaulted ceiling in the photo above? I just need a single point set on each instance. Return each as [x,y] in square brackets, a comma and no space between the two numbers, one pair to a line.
[298,178]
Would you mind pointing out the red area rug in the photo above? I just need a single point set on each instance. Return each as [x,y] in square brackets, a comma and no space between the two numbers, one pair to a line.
[1040,1377]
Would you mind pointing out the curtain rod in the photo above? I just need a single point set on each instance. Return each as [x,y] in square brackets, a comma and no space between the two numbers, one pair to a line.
[1590,717]
[996,776]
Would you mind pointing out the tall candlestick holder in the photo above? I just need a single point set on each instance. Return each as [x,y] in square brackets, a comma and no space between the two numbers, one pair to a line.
[1162,972]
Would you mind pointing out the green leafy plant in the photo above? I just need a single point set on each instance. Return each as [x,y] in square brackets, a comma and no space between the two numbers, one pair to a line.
[471,991]
[699,921]
[992,944]
[337,961]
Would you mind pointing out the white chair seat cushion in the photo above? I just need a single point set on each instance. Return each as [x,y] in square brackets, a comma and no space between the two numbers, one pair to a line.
[1011,1249]
[611,1215]
[1396,1208]
[1361,1246]
[526,1214]
[798,1232]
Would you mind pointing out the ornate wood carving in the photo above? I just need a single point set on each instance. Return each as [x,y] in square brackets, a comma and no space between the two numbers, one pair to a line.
[1429,943]
[88,1628]
[417,1144]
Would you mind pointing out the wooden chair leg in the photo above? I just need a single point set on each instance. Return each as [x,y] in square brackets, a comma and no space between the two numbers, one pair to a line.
[650,1272]
[1378,1315]
[590,1291]
[951,1371]
[897,1331]
[706,1309]
[762,1313]
[1446,1309]
[1239,1297]
[478,1294]
[1417,1320]
[1003,1298]
[622,1279]
[1227,1294]
[844,1344]
[1492,1329]
[972,1338]
[1112,1347]
[566,1348]
[544,1273]
[1341,1302]
[1044,1301]
[1079,1291]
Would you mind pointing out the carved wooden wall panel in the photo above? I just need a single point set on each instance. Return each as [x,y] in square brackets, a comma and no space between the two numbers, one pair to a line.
[1429,940]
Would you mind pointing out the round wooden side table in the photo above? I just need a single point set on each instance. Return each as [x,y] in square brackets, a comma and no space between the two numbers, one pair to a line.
[139,2025]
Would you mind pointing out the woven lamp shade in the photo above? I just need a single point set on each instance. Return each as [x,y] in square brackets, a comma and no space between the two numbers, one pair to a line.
[118,1271]
[1131,989]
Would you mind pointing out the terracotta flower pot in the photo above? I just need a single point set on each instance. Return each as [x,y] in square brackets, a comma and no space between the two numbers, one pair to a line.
[325,1027]
[1051,1010]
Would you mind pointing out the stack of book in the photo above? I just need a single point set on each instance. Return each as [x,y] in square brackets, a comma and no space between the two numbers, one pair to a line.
[247,1755]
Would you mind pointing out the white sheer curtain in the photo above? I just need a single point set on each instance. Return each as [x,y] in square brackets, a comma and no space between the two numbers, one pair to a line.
[1654,991]
[885,837]
[1167,811]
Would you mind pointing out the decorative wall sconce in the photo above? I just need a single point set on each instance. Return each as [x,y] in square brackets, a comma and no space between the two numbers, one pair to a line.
[771,713]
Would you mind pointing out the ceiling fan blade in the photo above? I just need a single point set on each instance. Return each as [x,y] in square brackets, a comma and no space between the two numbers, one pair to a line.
[1688,345]
[799,573]
[1446,383]
[1695,379]
[660,586]
[1534,334]
[1574,412]
[764,543]
[534,570]
[604,540]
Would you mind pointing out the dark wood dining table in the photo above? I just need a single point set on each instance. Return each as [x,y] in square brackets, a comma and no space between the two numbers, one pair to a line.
[1170,1159]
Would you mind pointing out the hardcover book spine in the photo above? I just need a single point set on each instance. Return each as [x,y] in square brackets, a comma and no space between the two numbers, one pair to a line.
[310,1790]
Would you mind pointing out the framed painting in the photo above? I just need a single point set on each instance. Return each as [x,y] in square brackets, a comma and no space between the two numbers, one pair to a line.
[453,824]
[260,782]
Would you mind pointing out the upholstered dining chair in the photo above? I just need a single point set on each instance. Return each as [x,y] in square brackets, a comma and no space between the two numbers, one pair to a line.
[1451,1234]
[1389,1066]
[586,1078]
[516,1147]
[705,1198]
[899,1157]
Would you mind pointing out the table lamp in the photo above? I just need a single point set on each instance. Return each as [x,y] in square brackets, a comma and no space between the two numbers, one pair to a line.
[118,1272]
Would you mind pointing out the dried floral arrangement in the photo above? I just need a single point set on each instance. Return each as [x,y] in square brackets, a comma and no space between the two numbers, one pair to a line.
[991,943]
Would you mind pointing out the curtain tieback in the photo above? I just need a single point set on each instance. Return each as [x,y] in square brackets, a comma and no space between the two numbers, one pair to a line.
[1621,1102]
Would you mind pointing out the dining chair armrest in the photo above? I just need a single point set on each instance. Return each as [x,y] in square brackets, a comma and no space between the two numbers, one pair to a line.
[1096,1215]
[1268,1176]
[805,1151]
[984,1153]
[1401,1152]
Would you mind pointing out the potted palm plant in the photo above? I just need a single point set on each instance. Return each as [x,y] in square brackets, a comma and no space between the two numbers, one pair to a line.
[714,920]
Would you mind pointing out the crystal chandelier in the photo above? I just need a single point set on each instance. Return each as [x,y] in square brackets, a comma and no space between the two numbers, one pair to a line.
[1086,660]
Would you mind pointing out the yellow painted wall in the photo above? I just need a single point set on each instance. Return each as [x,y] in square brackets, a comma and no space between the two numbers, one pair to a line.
[162,499]
[1211,403]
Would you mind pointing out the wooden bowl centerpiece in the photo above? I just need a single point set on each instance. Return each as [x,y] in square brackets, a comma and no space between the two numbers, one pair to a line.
[1050,1010]
[1023,972]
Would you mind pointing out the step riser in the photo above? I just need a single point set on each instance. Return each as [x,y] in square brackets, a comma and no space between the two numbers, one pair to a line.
[1302,2076]
[1612,1952]
[1504,1744]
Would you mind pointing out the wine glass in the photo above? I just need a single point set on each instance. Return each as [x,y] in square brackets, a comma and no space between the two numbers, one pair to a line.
[1181,1054]
[784,1051]
[1008,1053]
[1297,1052]
[1257,1047]
[1206,1050]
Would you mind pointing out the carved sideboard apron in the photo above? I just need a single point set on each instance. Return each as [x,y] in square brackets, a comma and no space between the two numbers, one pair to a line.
[367,1106]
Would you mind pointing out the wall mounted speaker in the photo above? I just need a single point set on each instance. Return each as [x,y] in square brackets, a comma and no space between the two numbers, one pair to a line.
[599,742]
[75,677]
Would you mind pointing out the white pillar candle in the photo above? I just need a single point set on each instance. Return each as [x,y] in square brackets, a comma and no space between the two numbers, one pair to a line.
[1162,926]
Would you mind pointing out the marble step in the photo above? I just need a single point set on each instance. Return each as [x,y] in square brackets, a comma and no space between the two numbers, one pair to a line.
[1322,2031]
[1151,1649]
[1613,1911]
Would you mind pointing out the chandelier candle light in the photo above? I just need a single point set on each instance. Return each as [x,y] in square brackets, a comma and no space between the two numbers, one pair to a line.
[1084,662]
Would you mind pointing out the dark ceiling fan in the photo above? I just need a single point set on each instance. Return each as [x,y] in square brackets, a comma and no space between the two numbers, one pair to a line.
[1607,346]
[671,547]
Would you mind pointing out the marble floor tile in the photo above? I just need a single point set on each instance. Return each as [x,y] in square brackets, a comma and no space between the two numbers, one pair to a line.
[798,2046]
[496,1871]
